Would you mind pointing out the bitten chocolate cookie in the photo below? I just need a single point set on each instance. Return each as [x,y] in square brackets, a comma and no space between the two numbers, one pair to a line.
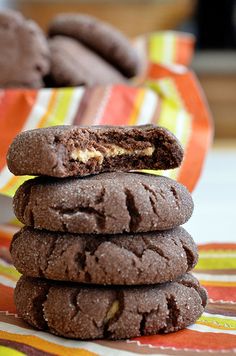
[76,311]
[106,203]
[73,64]
[65,151]
[143,258]
[100,37]
[24,58]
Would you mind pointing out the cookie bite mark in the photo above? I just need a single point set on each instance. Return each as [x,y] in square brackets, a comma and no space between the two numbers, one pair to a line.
[67,151]
[108,151]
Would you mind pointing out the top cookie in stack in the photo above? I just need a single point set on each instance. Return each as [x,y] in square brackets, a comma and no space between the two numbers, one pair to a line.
[67,151]
[116,230]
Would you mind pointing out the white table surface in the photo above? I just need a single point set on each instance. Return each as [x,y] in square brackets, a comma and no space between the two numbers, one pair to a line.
[214,217]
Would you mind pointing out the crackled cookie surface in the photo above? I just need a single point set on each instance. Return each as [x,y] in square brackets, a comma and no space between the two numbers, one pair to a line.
[107,203]
[128,259]
[85,312]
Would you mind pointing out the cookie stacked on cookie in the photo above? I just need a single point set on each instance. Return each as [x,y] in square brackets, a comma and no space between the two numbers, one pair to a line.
[103,255]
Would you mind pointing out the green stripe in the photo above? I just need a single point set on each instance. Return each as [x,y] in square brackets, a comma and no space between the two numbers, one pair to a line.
[156,47]
[216,263]
[10,272]
[221,322]
[8,351]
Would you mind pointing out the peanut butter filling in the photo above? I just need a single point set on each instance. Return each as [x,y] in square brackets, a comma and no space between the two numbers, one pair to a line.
[110,151]
[112,311]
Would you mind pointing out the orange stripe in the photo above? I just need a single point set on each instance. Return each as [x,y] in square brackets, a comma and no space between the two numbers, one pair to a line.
[201,136]
[217,246]
[184,50]
[46,346]
[6,299]
[51,104]
[5,239]
[221,293]
[191,339]
[15,106]
[120,105]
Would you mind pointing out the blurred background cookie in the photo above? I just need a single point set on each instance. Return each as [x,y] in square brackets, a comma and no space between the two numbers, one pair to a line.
[100,37]
[24,56]
[73,64]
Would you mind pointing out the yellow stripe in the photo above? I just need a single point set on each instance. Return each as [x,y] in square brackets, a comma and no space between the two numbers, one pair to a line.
[156,45]
[50,107]
[168,112]
[8,351]
[46,346]
[61,107]
[10,188]
[218,283]
[216,263]
[9,272]
[137,105]
[218,323]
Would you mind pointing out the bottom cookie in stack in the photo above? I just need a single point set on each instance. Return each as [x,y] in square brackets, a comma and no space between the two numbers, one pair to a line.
[114,312]
[126,308]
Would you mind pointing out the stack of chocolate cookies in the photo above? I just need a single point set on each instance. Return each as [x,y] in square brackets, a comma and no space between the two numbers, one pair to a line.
[103,255]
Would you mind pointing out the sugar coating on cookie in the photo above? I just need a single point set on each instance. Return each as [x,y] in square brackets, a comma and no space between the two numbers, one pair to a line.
[85,312]
[64,151]
[106,203]
[125,259]
[100,37]
[25,55]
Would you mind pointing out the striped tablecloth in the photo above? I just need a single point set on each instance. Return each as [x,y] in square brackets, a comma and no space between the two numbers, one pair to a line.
[214,333]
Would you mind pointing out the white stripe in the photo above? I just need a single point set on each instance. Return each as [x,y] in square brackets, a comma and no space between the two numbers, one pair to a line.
[168,48]
[148,108]
[217,255]
[172,348]
[5,176]
[7,282]
[215,277]
[180,124]
[102,106]
[5,263]
[90,346]
[74,105]
[207,329]
[40,107]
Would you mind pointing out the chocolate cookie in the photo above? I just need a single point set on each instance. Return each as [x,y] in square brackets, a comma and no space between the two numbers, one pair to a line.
[25,55]
[73,64]
[85,312]
[106,203]
[65,151]
[143,258]
[100,37]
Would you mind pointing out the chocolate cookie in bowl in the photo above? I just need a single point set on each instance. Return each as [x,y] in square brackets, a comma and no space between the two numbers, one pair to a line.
[102,38]
[25,56]
[73,64]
